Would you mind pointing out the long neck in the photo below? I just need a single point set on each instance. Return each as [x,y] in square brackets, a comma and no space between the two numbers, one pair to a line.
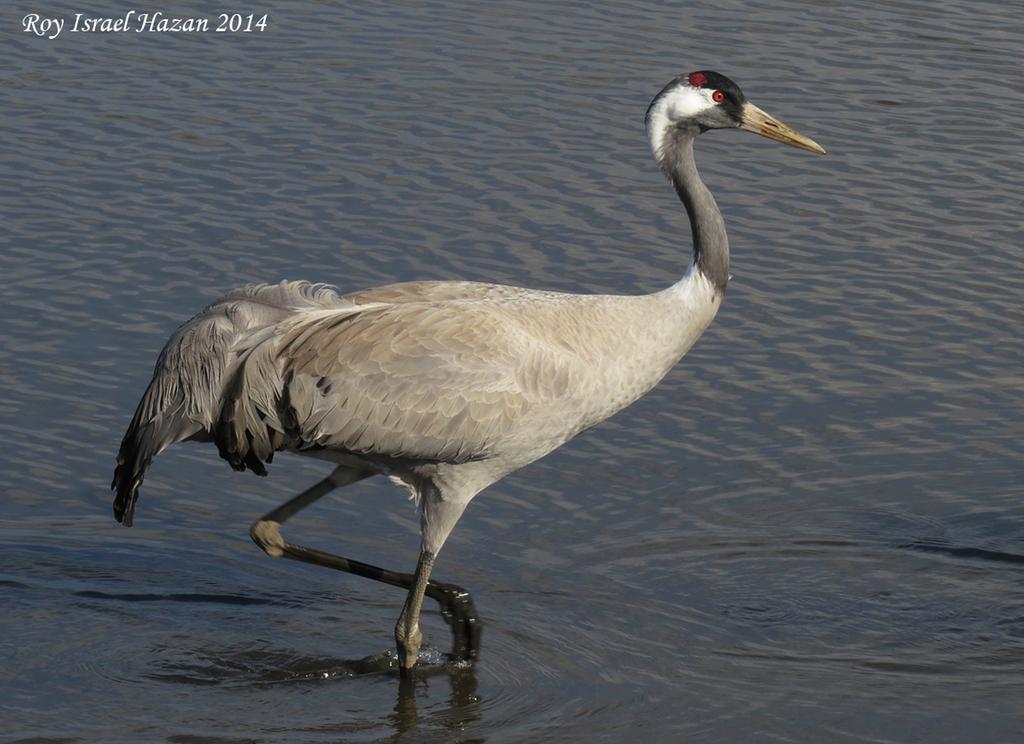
[710,243]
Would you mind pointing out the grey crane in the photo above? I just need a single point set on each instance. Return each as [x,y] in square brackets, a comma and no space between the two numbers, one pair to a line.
[445,387]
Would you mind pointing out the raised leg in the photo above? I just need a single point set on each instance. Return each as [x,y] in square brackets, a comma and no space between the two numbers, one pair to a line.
[459,612]
[266,531]
[457,608]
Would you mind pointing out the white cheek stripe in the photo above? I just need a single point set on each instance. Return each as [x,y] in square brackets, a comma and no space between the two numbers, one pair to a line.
[681,102]
[685,101]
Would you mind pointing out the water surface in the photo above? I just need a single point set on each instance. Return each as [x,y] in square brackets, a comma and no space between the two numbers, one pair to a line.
[811,531]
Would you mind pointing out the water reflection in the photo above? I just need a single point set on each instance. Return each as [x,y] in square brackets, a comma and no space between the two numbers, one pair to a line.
[463,707]
[259,666]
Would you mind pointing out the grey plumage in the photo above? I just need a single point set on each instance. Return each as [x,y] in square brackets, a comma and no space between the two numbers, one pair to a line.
[183,400]
[445,387]
[411,379]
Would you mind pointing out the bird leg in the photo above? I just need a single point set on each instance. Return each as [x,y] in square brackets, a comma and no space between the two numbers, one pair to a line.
[407,631]
[459,612]
[266,531]
[457,608]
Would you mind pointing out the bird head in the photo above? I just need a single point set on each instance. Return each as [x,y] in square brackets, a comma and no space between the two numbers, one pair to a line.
[704,100]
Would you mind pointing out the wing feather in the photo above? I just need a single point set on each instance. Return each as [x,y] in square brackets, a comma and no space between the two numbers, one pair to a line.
[438,381]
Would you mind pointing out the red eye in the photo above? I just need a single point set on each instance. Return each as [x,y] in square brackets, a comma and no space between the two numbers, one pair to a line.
[718,96]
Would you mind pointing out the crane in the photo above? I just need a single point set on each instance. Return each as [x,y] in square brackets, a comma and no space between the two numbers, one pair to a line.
[445,387]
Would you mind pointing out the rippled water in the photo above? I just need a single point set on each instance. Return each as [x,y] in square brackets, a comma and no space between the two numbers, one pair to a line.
[811,531]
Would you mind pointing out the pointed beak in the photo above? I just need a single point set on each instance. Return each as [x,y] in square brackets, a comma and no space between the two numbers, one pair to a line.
[757,121]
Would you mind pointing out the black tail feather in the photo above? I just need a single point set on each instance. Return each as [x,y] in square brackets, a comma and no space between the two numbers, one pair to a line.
[137,451]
